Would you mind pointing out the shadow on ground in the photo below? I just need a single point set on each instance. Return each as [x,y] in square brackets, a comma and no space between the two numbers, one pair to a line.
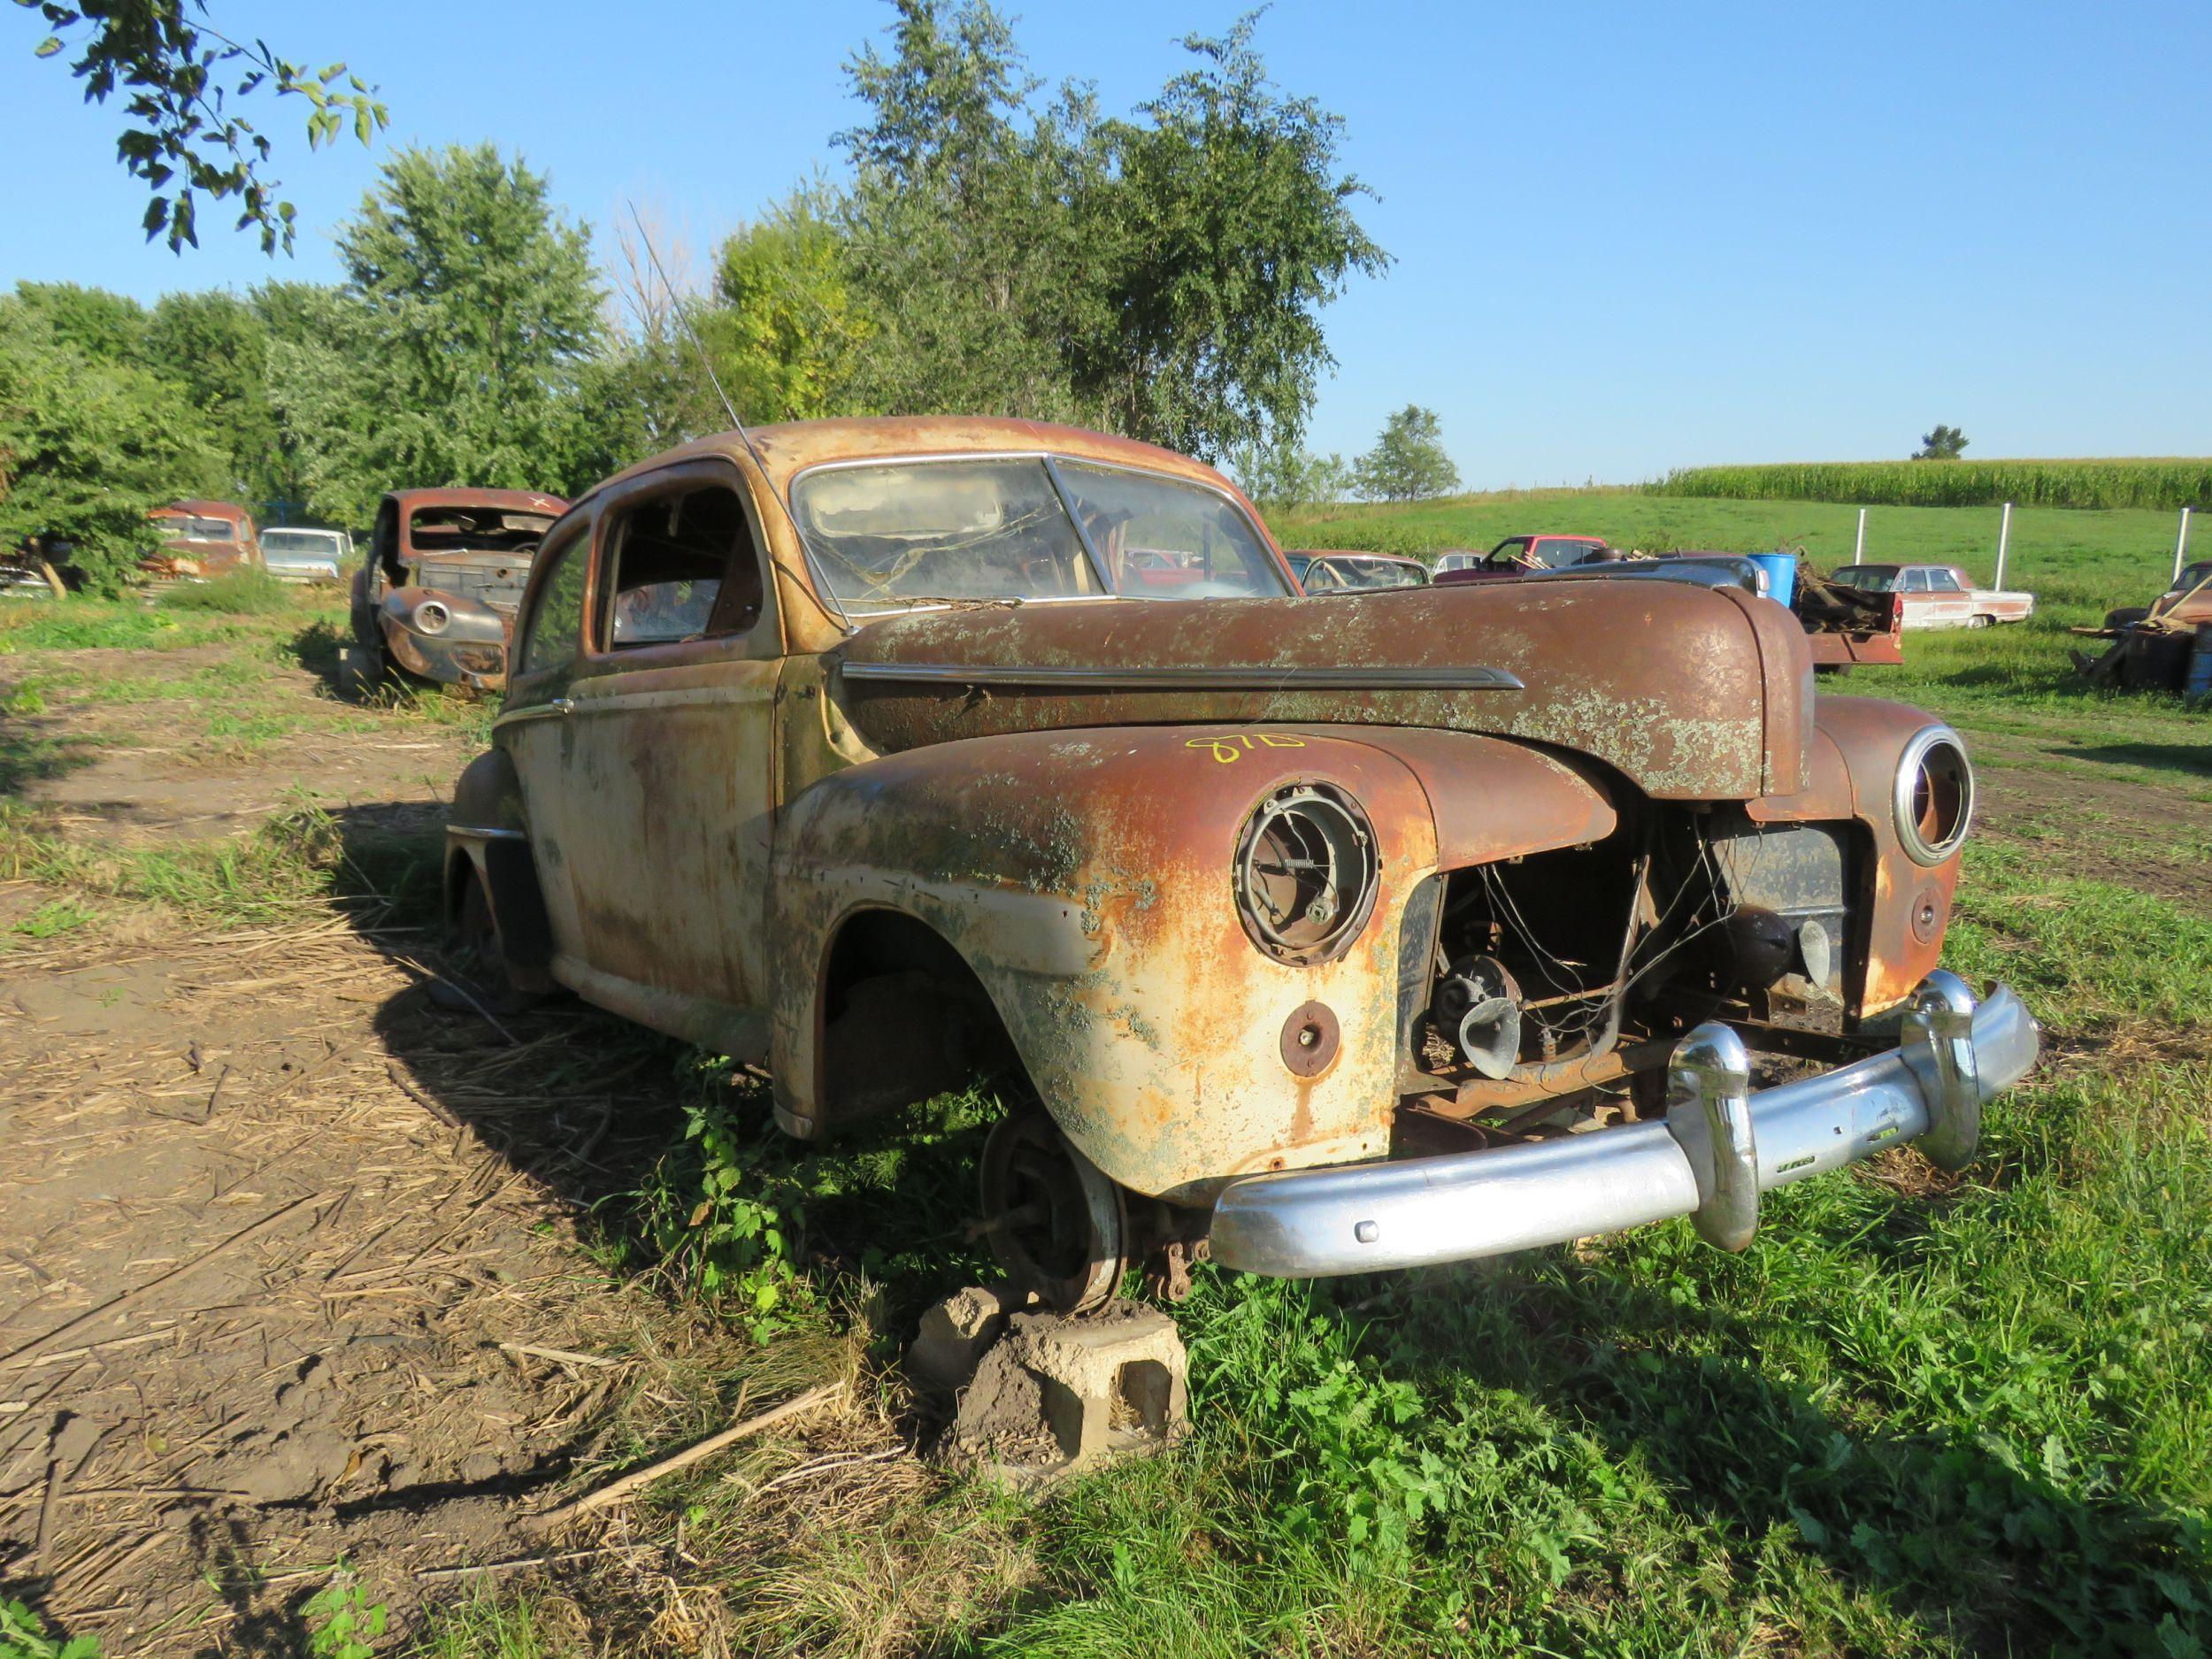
[589,1105]
[2195,758]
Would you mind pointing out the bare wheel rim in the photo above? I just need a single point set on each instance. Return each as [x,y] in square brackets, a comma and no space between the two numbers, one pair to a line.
[1055,1223]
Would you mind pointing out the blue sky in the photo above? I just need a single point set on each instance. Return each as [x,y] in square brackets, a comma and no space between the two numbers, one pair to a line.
[1627,237]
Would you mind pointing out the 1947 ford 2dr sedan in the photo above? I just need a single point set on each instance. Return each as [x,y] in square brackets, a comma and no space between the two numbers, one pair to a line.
[1330,937]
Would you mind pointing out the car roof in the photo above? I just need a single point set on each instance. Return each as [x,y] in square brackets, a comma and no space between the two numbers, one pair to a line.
[788,449]
[512,499]
[197,509]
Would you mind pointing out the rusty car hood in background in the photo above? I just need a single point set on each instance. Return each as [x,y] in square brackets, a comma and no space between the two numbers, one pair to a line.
[1690,693]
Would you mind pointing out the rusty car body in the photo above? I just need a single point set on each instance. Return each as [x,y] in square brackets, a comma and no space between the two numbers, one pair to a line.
[202,539]
[1938,596]
[436,597]
[1324,935]
[2164,646]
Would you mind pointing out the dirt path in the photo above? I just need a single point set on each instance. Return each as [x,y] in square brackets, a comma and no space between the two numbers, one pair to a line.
[268,1211]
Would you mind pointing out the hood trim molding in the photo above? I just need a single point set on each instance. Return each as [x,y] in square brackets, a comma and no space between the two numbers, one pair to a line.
[1269,677]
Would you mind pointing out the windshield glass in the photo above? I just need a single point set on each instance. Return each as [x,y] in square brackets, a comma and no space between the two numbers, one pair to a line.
[1872,578]
[299,541]
[1367,575]
[911,532]
[195,530]
[2194,576]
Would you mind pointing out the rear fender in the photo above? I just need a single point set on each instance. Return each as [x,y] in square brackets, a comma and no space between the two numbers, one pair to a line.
[486,840]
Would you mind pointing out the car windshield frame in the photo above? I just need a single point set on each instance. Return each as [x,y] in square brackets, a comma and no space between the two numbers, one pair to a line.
[859,609]
[1872,578]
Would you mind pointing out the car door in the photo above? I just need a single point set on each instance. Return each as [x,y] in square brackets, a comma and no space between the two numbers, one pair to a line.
[666,764]
[1950,605]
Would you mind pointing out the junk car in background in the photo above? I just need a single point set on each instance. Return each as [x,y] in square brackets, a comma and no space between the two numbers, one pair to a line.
[1938,596]
[1328,937]
[298,553]
[202,539]
[2164,646]
[1524,555]
[1331,571]
[435,599]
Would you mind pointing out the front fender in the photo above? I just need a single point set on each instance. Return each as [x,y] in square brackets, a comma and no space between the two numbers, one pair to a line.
[1086,878]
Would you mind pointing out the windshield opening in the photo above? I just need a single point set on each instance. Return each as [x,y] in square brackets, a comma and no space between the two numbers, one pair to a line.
[475,530]
[899,533]
[195,530]
[1871,579]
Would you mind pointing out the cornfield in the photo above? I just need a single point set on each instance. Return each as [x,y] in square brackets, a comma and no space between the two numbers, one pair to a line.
[2130,482]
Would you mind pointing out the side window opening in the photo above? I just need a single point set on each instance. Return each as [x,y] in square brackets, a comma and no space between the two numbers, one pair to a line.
[557,626]
[684,568]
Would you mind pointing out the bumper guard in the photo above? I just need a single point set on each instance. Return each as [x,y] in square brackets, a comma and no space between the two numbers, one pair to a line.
[1718,1148]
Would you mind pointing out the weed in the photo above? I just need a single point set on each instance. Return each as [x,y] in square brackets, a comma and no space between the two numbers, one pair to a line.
[59,915]
[23,1636]
[735,1209]
[517,1627]
[343,1621]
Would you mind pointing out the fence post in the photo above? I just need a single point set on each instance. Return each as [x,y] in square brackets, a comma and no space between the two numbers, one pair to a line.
[2181,543]
[2004,536]
[1858,551]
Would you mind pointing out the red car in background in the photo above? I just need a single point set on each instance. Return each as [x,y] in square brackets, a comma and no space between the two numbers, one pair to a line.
[200,538]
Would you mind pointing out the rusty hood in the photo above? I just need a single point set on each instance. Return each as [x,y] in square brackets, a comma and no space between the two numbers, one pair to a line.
[1691,693]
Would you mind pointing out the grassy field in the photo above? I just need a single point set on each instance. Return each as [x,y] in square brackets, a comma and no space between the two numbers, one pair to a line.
[1922,1415]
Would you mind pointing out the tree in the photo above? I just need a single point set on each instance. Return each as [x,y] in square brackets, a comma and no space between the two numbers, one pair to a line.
[1409,462]
[1236,230]
[789,324]
[960,222]
[1944,444]
[1160,276]
[464,346]
[87,446]
[214,347]
[180,126]
[1290,475]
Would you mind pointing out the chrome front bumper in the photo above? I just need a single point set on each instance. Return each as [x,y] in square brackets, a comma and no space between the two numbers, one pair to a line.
[1718,1148]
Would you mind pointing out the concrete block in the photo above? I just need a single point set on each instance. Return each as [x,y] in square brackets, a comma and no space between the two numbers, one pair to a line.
[955,1335]
[1057,1395]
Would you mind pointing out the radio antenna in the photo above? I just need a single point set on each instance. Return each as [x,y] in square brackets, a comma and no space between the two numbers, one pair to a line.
[683,318]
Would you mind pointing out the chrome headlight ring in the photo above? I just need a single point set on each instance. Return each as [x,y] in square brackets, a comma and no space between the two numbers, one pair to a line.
[1932,798]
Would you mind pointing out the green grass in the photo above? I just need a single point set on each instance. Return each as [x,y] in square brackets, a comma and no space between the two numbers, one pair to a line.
[2124,481]
[243,593]
[173,622]
[297,864]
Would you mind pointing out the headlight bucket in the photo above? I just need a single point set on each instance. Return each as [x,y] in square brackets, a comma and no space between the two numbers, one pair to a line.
[1307,872]
[1932,800]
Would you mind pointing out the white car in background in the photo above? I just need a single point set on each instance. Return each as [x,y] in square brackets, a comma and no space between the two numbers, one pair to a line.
[303,555]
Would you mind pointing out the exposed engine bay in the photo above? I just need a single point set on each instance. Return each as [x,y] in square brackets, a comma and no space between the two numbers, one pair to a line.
[1546,986]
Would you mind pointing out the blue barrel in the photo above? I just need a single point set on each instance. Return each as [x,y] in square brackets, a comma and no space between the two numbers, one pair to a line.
[1781,574]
